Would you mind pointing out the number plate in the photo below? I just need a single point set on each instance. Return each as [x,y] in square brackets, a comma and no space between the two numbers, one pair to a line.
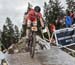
[34,28]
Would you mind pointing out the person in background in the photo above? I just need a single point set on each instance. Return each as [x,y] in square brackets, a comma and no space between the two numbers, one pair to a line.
[73,19]
[52,27]
[68,20]
[58,22]
[52,37]
[72,14]
[63,22]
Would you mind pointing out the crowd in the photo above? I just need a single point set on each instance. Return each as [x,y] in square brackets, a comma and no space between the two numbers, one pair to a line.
[65,21]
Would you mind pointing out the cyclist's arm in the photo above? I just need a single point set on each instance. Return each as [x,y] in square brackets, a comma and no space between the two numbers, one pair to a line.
[41,21]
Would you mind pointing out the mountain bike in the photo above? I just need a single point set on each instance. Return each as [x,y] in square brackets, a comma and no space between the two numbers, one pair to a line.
[32,40]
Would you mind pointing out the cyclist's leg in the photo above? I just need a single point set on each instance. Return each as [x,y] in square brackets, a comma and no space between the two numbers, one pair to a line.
[28,28]
[27,35]
[41,21]
[33,44]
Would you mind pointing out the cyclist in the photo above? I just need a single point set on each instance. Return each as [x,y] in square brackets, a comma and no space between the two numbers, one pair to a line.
[32,16]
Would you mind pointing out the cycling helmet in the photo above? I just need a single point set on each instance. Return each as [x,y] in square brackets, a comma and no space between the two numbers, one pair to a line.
[37,8]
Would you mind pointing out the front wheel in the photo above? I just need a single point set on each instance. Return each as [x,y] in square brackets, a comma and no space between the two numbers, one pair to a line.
[32,49]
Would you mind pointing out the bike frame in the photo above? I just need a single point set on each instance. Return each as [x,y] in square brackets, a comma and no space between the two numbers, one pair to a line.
[32,40]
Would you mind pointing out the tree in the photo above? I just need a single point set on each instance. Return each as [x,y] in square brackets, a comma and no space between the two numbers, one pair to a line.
[1,45]
[71,5]
[21,33]
[10,29]
[8,33]
[16,31]
[29,6]
[57,10]
[46,11]
[5,37]
[52,10]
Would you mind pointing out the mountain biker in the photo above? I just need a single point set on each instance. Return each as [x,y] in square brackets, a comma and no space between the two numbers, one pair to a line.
[32,16]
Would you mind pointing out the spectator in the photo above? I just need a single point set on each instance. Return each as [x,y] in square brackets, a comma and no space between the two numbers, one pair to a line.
[52,37]
[57,23]
[68,20]
[73,19]
[60,22]
[63,22]
[72,16]
[52,28]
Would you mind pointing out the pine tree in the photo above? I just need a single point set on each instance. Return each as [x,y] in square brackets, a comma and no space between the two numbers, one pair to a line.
[16,34]
[53,10]
[8,33]
[29,6]
[0,39]
[46,12]
[22,33]
[57,9]
[10,29]
[5,37]
[23,30]
[71,5]
[8,21]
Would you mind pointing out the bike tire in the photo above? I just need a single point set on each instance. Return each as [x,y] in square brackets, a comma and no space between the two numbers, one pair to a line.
[32,49]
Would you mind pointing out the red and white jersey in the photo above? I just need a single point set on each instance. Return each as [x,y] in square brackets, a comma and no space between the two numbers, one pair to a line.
[32,16]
